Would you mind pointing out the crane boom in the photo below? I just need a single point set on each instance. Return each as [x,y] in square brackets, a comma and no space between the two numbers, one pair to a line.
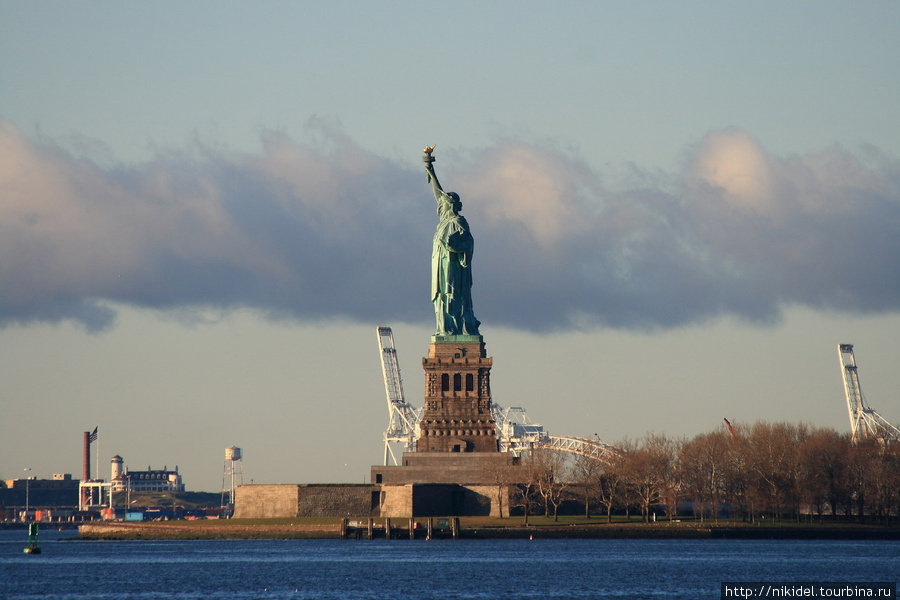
[865,422]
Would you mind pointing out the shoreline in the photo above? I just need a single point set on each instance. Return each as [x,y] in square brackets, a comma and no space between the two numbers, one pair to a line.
[247,529]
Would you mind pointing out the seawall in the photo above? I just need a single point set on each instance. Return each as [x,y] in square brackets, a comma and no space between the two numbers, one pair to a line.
[332,529]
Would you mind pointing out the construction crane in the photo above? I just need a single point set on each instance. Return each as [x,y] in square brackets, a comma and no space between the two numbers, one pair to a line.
[403,426]
[518,434]
[515,431]
[865,422]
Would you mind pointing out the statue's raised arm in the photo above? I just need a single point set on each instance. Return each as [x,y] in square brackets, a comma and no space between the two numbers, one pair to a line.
[430,175]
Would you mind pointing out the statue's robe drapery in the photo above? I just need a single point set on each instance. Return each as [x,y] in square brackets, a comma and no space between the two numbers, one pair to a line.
[451,273]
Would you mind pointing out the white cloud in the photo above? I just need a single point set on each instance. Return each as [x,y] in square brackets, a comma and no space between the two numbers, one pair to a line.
[326,230]
[737,165]
[532,187]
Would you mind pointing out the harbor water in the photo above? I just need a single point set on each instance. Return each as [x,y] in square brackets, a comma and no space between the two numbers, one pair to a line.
[445,569]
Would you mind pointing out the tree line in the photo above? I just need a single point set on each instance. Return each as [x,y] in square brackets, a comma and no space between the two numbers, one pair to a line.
[778,471]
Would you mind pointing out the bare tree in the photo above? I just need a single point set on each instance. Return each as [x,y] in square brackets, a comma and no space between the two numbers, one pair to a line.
[823,461]
[648,469]
[702,464]
[775,458]
[587,473]
[530,473]
[552,479]
[737,473]
[888,480]
[611,491]
[873,477]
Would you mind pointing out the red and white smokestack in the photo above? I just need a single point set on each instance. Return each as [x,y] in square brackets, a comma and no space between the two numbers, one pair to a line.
[86,472]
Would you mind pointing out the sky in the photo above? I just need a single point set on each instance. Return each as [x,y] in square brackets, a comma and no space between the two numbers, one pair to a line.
[680,209]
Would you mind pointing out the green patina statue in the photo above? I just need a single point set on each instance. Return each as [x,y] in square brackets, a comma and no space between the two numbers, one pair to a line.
[451,263]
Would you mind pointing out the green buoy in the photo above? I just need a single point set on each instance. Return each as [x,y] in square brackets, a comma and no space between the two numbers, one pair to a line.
[32,547]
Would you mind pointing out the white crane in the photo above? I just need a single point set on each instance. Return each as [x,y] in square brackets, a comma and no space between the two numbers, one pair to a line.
[403,427]
[515,431]
[864,421]
[519,434]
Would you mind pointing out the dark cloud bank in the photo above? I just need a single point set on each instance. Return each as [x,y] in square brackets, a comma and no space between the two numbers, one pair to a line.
[324,230]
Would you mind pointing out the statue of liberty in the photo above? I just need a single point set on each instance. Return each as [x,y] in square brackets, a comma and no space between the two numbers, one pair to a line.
[451,262]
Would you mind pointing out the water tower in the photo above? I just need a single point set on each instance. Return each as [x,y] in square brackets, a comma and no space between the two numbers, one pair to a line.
[234,471]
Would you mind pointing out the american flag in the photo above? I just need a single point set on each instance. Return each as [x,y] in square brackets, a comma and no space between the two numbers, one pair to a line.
[730,429]
[93,437]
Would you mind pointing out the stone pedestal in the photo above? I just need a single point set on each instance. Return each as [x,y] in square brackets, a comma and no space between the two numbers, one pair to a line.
[457,416]
[457,468]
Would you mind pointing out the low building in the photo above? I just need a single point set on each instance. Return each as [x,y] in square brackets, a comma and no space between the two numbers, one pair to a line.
[425,485]
[151,480]
[60,491]
[361,500]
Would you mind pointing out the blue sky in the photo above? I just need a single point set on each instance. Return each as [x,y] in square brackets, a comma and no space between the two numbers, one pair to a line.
[680,209]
